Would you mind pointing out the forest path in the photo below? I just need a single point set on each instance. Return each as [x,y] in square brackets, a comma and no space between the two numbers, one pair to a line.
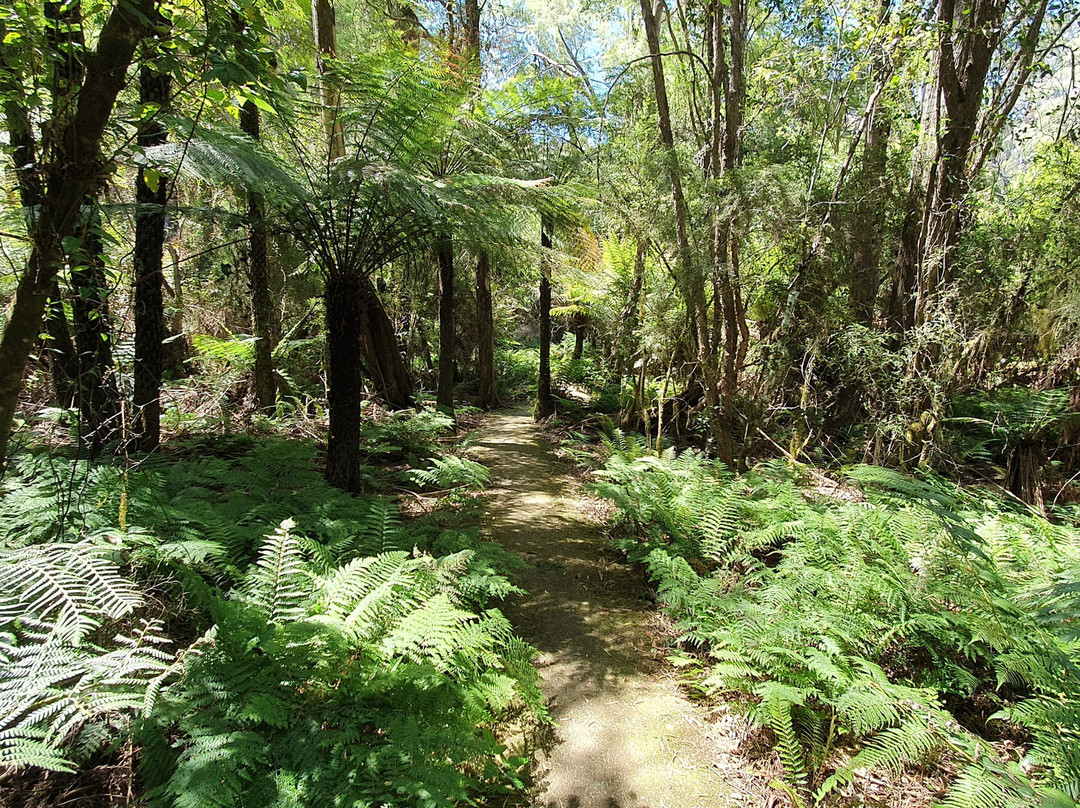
[625,737]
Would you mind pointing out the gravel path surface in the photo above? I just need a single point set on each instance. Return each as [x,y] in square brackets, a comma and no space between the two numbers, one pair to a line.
[625,737]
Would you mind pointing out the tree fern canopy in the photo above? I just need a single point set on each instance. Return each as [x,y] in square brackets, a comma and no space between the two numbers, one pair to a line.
[852,624]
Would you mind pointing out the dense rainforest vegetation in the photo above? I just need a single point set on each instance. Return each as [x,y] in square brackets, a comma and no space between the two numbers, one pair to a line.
[799,280]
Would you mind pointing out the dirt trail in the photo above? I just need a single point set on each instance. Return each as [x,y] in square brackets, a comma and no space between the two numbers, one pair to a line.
[625,737]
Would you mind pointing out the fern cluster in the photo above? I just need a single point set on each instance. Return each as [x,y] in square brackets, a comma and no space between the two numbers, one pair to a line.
[365,684]
[858,623]
[353,656]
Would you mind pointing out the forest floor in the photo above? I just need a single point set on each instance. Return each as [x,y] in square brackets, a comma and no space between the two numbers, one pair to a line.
[625,736]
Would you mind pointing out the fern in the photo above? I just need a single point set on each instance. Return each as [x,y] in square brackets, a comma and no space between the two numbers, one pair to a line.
[452,472]
[278,584]
[849,623]
[74,583]
[334,663]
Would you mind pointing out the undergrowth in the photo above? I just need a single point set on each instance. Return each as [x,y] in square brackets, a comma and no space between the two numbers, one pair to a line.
[869,630]
[264,639]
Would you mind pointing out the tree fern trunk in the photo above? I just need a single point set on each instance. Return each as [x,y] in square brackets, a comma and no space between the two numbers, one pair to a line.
[485,333]
[343,336]
[444,251]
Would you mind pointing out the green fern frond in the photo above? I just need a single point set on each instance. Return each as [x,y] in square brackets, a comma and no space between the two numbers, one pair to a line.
[279,584]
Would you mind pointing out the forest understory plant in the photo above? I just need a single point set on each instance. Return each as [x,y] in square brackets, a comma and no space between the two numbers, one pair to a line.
[886,622]
[347,653]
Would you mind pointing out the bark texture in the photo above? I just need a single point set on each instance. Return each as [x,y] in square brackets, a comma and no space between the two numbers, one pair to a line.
[263,310]
[343,336]
[485,334]
[150,197]
[63,180]
[545,402]
[444,253]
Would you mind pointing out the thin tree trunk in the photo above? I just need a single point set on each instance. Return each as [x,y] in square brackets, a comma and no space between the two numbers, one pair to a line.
[324,27]
[485,322]
[154,88]
[545,402]
[485,333]
[731,80]
[99,395]
[262,304]
[444,396]
[691,282]
[630,317]
[60,348]
[909,248]
[579,337]
[869,208]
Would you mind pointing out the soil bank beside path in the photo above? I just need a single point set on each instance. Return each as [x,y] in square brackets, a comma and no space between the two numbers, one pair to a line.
[624,736]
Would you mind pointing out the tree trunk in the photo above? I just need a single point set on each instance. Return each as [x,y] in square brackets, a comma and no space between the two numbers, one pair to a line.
[264,321]
[99,395]
[485,333]
[154,88]
[324,27]
[630,317]
[869,208]
[381,352]
[343,336]
[65,180]
[545,402]
[966,45]
[579,337]
[60,348]
[729,79]
[692,283]
[444,396]
[472,33]
[485,321]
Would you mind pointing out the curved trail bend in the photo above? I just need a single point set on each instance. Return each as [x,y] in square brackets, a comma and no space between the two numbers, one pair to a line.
[624,736]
